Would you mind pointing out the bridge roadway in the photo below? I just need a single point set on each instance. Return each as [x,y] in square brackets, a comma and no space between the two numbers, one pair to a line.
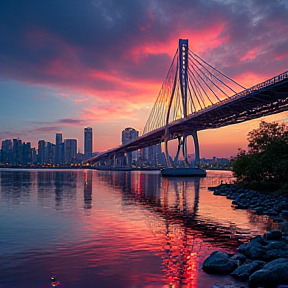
[267,98]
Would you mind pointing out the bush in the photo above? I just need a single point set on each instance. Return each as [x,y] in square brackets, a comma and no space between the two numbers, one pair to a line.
[265,165]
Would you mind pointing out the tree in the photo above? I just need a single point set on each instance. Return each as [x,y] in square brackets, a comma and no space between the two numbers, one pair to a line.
[260,138]
[266,162]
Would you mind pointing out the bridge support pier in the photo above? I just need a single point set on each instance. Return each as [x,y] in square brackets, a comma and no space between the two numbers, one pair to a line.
[182,143]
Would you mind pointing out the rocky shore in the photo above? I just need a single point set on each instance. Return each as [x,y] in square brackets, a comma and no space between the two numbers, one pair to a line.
[264,260]
[274,206]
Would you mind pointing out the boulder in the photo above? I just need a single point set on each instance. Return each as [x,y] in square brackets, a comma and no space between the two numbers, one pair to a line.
[241,258]
[254,249]
[274,250]
[273,235]
[219,262]
[259,249]
[244,271]
[271,275]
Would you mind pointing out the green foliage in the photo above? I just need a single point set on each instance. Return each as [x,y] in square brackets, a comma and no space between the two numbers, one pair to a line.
[266,163]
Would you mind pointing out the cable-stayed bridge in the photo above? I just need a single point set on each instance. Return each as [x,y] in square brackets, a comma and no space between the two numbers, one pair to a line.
[196,96]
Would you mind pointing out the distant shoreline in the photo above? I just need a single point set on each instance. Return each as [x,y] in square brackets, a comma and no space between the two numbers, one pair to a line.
[95,168]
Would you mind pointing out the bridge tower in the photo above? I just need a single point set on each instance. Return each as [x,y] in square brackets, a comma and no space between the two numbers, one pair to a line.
[181,75]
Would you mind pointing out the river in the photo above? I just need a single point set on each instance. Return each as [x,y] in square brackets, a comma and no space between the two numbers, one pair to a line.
[120,229]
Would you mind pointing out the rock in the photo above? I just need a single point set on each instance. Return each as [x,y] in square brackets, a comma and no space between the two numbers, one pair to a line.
[271,275]
[241,258]
[245,270]
[219,262]
[254,249]
[273,235]
[220,285]
[285,213]
[274,250]
[259,249]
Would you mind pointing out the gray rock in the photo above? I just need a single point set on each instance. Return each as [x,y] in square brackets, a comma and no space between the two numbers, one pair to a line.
[241,258]
[245,270]
[221,285]
[271,275]
[254,249]
[273,235]
[274,250]
[219,262]
[258,249]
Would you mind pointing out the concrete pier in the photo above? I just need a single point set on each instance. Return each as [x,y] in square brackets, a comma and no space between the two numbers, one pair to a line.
[177,172]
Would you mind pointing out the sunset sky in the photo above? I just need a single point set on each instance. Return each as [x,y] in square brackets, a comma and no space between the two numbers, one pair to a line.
[70,64]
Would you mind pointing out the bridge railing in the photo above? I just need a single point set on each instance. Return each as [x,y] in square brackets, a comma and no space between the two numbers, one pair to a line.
[261,85]
[243,93]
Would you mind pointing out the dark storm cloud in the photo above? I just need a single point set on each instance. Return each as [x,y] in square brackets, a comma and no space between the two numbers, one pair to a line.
[254,25]
[61,42]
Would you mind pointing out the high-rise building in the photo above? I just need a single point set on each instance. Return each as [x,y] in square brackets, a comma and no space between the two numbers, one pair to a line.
[41,151]
[26,153]
[49,153]
[88,142]
[58,150]
[6,151]
[152,155]
[17,151]
[129,134]
[70,150]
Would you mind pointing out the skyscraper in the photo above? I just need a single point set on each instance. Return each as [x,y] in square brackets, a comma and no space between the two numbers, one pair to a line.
[70,150]
[17,151]
[58,152]
[129,134]
[6,152]
[41,151]
[88,142]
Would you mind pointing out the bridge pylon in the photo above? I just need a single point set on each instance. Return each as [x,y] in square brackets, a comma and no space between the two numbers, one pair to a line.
[181,78]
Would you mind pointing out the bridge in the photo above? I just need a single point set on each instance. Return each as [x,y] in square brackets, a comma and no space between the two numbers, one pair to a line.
[196,96]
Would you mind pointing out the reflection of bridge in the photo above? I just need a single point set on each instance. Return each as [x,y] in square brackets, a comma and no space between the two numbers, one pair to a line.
[176,201]
[196,96]
[171,211]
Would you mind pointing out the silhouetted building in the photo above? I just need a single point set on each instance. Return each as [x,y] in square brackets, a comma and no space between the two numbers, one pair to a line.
[33,155]
[49,153]
[153,156]
[58,150]
[41,152]
[6,151]
[129,134]
[70,150]
[88,142]
[17,152]
[26,153]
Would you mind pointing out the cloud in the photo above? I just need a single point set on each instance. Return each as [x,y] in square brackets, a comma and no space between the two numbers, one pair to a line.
[119,51]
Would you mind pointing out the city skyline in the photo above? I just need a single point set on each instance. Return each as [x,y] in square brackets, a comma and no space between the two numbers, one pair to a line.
[101,64]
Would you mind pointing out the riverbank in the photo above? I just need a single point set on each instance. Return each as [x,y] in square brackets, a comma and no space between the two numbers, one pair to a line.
[272,205]
[263,261]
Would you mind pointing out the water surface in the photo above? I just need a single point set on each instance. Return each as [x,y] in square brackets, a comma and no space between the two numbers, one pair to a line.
[115,229]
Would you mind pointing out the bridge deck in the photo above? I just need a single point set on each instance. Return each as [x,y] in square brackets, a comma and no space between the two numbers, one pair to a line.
[269,97]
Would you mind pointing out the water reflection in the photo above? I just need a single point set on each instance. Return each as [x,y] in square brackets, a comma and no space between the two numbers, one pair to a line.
[188,232]
[63,184]
[11,184]
[87,190]
[177,200]
[16,186]
[104,226]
